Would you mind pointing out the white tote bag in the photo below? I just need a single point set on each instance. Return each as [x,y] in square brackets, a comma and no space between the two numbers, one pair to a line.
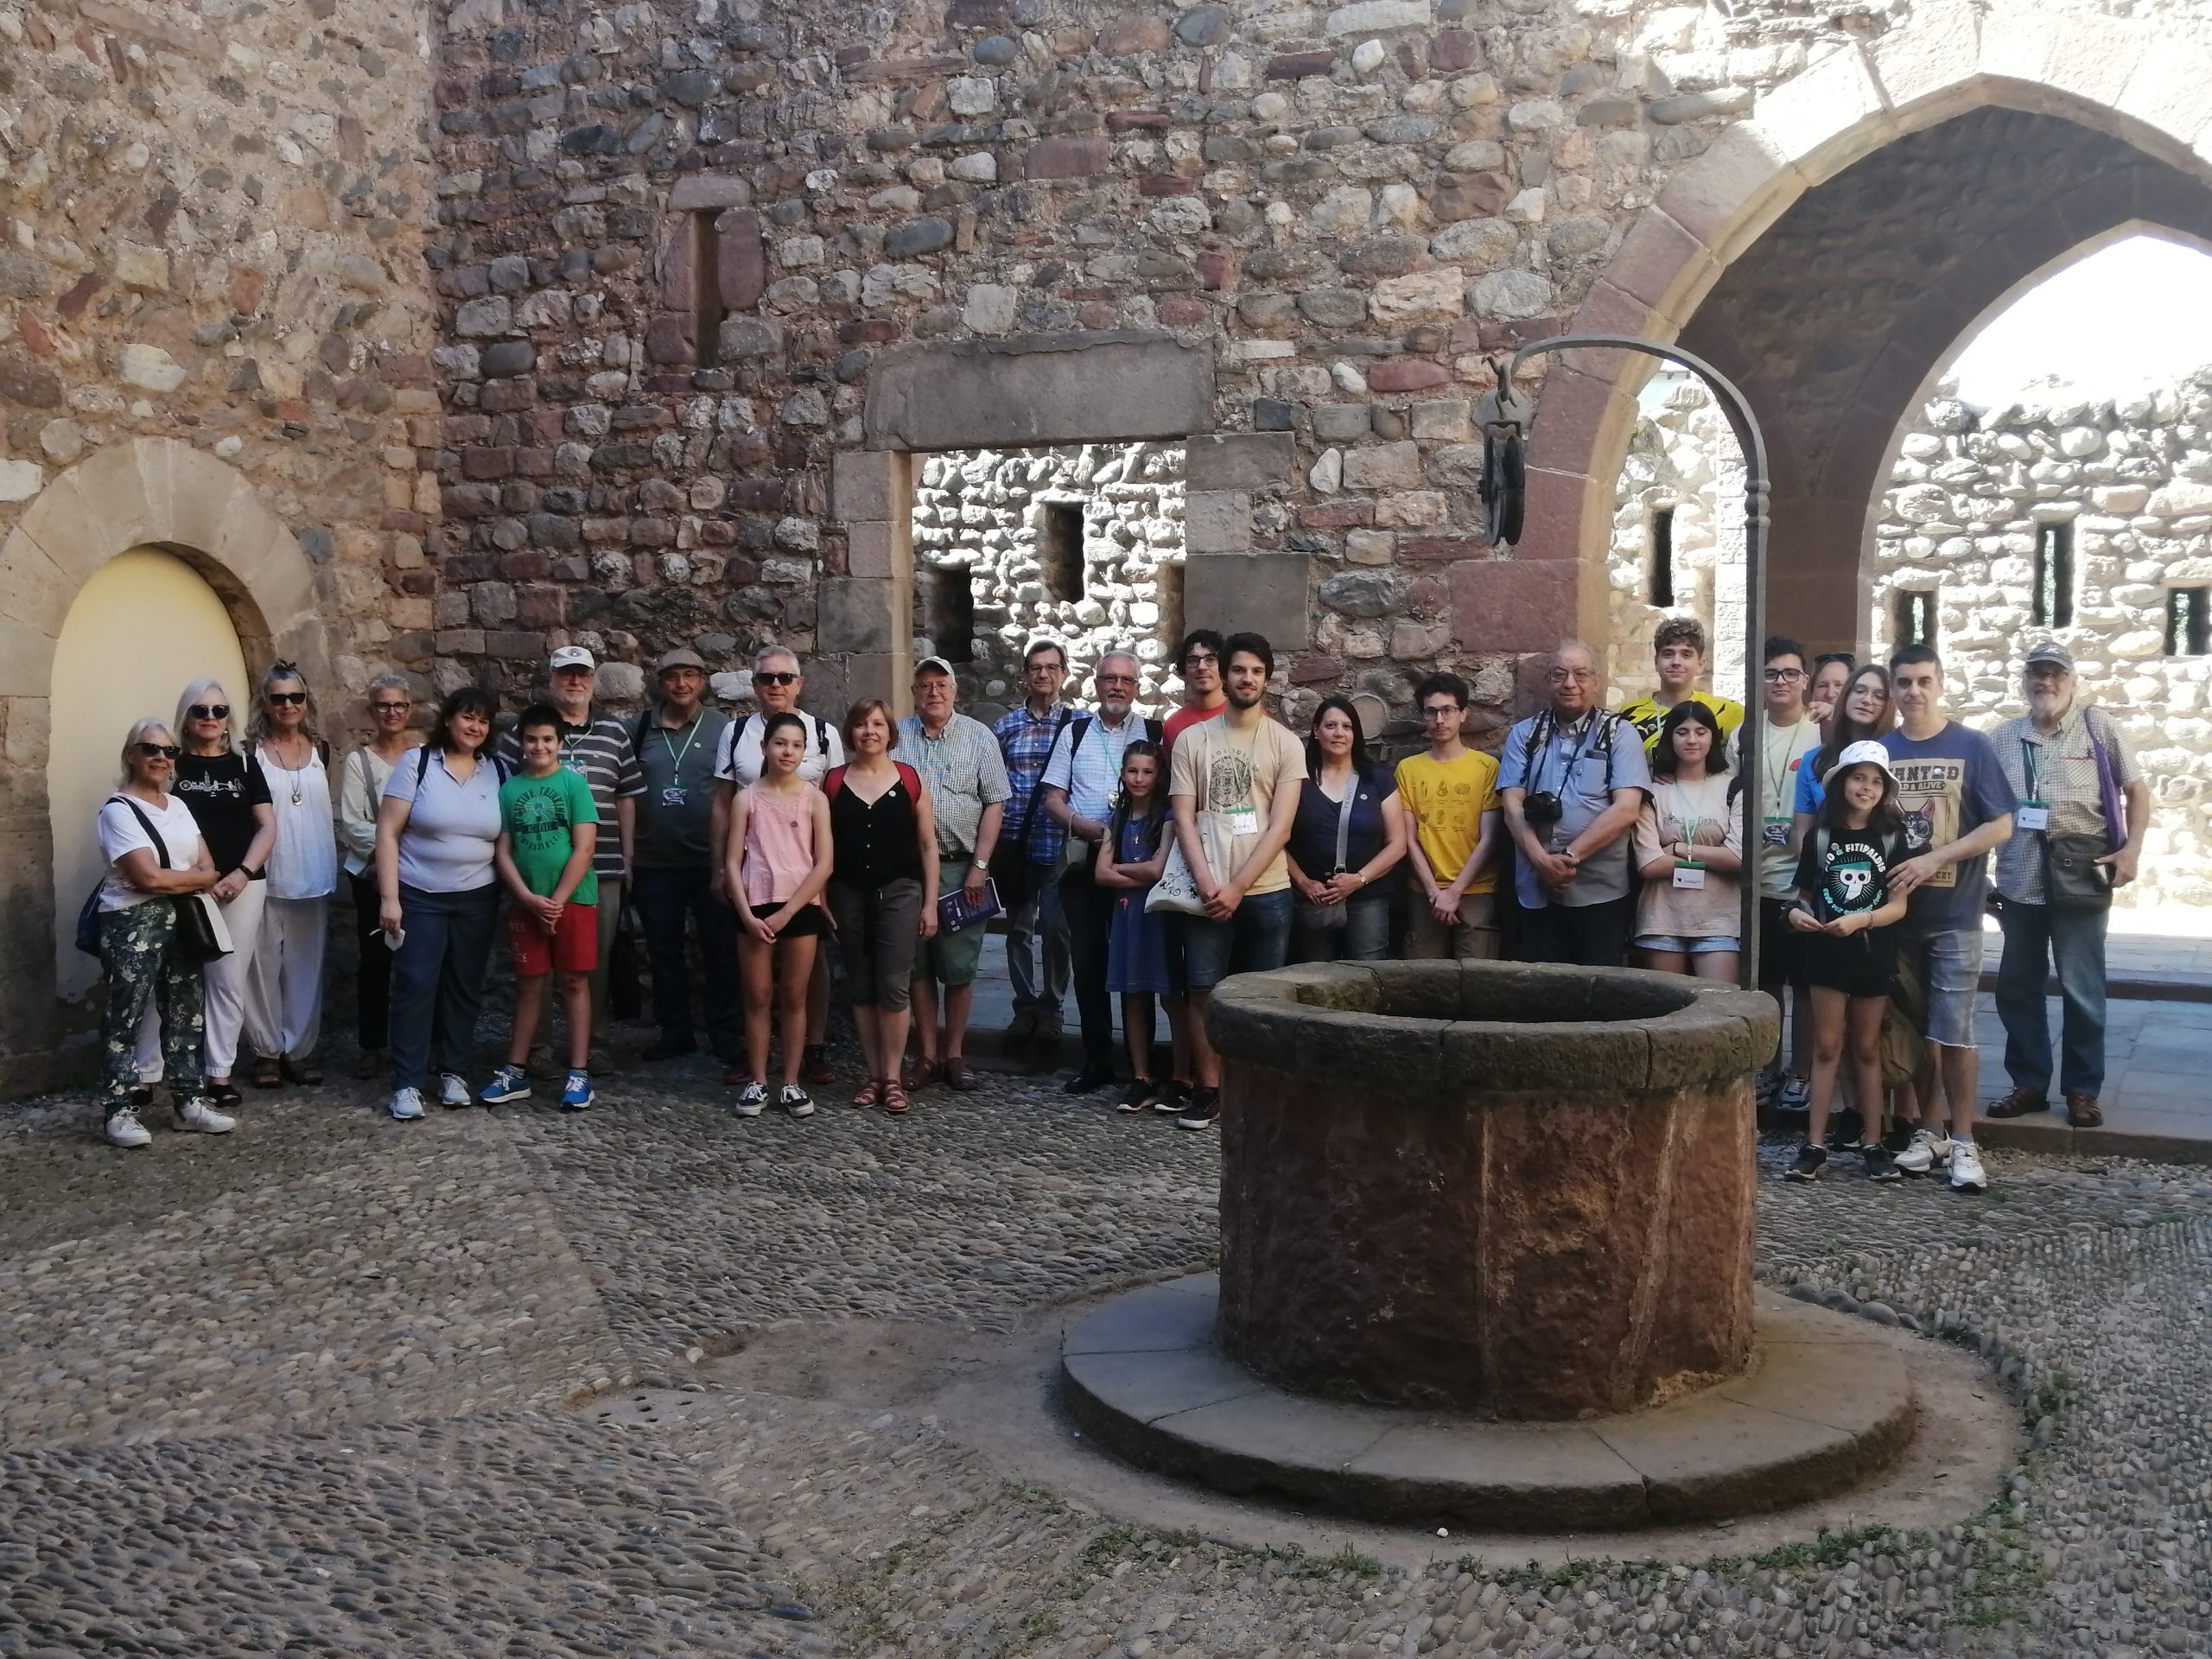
[1176,890]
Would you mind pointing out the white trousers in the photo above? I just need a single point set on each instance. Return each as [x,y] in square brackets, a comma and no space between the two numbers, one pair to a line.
[284,991]
[226,979]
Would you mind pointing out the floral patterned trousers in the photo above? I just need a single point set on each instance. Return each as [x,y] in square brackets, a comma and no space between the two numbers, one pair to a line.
[139,947]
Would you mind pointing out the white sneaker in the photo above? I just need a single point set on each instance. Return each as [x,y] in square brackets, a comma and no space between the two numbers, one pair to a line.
[199,1116]
[453,1090]
[124,1128]
[406,1104]
[1929,1147]
[752,1101]
[1966,1173]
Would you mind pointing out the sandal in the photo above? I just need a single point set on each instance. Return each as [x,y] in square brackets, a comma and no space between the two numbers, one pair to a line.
[263,1072]
[2019,1103]
[959,1075]
[2084,1112]
[305,1072]
[918,1074]
[894,1097]
[224,1096]
[869,1095]
[142,1096]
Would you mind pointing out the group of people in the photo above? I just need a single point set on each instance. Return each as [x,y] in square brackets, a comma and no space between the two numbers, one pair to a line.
[1131,857]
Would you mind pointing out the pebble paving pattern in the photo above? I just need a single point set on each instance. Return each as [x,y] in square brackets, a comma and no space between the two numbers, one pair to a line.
[337,1385]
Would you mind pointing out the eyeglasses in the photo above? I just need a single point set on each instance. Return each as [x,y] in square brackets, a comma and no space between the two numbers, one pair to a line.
[1201,659]
[158,751]
[781,676]
[1443,711]
[286,696]
[1564,676]
[390,708]
[1117,679]
[209,711]
[1781,675]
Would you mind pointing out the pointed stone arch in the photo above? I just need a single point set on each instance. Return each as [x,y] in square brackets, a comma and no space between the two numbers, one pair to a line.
[142,492]
[2130,83]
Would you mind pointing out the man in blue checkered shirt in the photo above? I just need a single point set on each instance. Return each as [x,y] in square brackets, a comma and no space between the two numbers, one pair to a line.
[1028,854]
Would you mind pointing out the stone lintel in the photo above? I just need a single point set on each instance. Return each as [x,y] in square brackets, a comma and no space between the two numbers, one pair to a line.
[1028,392]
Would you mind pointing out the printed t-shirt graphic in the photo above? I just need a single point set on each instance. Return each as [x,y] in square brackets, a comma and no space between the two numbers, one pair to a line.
[1931,791]
[539,813]
[1855,876]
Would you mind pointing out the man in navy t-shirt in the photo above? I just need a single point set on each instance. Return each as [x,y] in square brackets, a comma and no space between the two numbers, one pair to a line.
[1958,808]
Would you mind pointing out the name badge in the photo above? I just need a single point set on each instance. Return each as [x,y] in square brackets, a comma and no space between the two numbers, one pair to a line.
[576,767]
[2031,814]
[1691,876]
[1244,821]
[1774,832]
[674,795]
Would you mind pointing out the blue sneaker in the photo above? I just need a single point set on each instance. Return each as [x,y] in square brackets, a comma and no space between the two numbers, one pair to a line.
[509,1084]
[577,1095]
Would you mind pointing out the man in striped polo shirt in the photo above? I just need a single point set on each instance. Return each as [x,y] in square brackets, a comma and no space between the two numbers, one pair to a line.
[596,746]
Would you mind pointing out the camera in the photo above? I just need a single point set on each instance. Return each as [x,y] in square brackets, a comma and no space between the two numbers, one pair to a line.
[1542,810]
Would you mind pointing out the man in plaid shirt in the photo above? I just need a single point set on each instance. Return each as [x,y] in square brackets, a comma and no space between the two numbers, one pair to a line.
[1028,854]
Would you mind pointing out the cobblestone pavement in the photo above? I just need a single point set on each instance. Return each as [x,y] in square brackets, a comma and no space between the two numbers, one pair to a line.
[337,1384]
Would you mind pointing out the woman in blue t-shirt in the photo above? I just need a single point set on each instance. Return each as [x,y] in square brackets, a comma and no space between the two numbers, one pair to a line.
[1864,713]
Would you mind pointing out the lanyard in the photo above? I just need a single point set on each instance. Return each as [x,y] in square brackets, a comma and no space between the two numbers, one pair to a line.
[675,755]
[1692,825]
[568,747]
[1775,775]
[1566,778]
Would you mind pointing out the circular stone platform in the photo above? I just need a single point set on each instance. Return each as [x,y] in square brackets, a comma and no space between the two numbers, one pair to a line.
[1823,1406]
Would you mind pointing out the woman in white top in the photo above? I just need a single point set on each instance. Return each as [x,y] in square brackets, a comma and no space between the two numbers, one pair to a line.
[155,857]
[284,1002]
[438,898]
[361,795]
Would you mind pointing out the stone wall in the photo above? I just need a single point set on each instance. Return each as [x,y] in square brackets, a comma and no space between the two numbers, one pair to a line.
[1972,491]
[679,244]
[1082,544]
[1682,461]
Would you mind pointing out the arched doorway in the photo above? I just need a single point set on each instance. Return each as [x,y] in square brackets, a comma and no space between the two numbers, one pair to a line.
[146,625]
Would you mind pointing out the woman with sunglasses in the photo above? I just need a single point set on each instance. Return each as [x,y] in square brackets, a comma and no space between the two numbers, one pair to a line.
[283,1004]
[154,854]
[228,796]
[360,796]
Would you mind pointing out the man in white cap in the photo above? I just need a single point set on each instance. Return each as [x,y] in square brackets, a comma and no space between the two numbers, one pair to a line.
[597,747]
[779,678]
[2083,800]
[672,864]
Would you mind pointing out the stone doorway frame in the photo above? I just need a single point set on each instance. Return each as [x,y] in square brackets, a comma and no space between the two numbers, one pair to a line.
[2125,78]
[1034,392]
[150,492]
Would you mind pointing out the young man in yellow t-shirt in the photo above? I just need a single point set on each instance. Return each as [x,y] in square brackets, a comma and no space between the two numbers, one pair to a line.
[1450,796]
[1678,653]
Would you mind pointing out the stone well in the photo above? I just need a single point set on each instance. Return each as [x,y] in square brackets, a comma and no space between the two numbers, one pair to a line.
[1504,1191]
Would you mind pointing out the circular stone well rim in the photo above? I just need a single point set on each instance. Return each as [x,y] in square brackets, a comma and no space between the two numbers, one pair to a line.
[1392,1023]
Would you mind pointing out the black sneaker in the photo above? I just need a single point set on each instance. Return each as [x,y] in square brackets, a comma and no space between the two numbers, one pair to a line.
[1847,1130]
[1811,1162]
[1134,1096]
[1204,1111]
[1881,1164]
[1173,1097]
[1899,1138]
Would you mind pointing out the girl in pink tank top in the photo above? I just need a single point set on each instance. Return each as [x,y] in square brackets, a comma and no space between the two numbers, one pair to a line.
[777,859]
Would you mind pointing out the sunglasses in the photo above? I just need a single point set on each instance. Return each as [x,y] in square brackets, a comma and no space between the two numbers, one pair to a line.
[781,676]
[390,708]
[158,751]
[286,696]
[209,711]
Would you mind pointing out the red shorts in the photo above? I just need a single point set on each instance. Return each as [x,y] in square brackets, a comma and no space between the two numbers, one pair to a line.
[573,947]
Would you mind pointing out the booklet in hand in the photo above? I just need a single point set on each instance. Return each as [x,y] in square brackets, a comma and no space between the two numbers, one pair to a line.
[954,912]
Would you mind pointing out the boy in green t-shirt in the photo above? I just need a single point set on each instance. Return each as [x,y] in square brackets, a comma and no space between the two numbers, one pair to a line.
[548,826]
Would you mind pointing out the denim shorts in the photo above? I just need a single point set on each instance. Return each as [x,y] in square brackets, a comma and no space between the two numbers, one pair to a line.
[1680,946]
[1950,975]
[1254,940]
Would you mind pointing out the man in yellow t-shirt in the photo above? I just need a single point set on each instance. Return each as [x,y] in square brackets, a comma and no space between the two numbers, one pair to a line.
[1678,652]
[1450,796]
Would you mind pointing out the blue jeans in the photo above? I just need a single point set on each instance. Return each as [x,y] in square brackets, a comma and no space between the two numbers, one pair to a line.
[437,979]
[2035,937]
[1254,940]
[663,899]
